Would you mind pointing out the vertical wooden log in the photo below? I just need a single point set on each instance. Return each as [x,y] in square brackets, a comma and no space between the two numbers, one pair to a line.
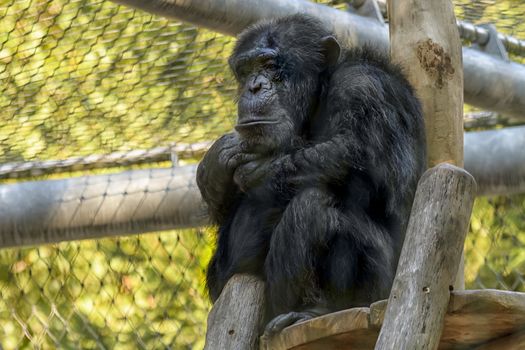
[235,319]
[429,259]
[424,40]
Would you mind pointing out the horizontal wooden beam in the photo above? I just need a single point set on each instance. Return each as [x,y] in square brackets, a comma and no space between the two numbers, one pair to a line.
[473,317]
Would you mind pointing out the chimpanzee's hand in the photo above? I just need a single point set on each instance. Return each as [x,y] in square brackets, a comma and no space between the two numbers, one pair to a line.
[223,157]
[215,174]
[253,173]
[214,166]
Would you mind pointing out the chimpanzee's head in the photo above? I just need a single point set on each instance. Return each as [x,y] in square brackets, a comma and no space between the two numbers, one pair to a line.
[279,66]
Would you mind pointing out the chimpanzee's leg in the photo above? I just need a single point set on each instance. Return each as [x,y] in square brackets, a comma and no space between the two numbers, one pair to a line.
[242,244]
[317,257]
[298,244]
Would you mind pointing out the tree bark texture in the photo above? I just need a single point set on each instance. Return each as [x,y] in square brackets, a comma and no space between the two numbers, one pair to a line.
[235,320]
[425,42]
[429,260]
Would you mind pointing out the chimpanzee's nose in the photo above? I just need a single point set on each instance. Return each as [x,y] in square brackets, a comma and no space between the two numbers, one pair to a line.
[257,84]
[255,87]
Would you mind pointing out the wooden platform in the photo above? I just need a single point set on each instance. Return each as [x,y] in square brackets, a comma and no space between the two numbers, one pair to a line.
[476,319]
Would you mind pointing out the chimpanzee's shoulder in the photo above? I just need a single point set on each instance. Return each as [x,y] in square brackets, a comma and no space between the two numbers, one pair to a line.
[366,67]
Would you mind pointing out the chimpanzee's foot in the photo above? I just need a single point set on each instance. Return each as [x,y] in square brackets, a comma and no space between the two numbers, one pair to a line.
[284,320]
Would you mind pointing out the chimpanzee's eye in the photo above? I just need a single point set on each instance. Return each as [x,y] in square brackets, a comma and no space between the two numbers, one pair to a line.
[270,65]
[273,69]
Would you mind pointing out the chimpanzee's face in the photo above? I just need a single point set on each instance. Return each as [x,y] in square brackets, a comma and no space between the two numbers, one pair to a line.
[278,69]
[262,115]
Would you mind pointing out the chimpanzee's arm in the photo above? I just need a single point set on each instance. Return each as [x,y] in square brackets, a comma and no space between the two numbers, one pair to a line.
[215,177]
[329,161]
[325,162]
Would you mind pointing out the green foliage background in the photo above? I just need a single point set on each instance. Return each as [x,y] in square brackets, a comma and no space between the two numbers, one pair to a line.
[89,77]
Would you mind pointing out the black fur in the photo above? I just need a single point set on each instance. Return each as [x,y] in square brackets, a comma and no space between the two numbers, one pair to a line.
[314,190]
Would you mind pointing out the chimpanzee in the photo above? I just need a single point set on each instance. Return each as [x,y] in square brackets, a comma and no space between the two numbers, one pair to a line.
[313,190]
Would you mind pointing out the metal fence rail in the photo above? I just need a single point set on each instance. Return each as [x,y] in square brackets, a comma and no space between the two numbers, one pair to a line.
[467,31]
[490,83]
[172,153]
[97,206]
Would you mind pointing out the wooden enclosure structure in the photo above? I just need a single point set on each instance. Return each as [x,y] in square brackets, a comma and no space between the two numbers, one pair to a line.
[474,319]
[423,310]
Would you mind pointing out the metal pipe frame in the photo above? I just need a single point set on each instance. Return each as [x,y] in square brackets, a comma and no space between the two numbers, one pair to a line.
[490,83]
[43,212]
[467,31]
[139,201]
[496,159]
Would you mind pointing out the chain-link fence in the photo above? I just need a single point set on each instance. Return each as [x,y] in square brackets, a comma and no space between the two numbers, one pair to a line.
[90,88]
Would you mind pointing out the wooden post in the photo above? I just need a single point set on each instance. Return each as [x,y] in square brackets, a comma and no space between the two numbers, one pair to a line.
[424,40]
[235,319]
[429,259]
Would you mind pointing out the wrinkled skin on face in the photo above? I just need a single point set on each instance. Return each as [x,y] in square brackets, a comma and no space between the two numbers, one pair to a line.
[313,188]
[264,123]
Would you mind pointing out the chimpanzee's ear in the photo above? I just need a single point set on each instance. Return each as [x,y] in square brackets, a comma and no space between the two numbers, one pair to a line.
[331,50]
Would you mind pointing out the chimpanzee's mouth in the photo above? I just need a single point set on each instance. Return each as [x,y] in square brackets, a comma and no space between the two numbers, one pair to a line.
[256,122]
